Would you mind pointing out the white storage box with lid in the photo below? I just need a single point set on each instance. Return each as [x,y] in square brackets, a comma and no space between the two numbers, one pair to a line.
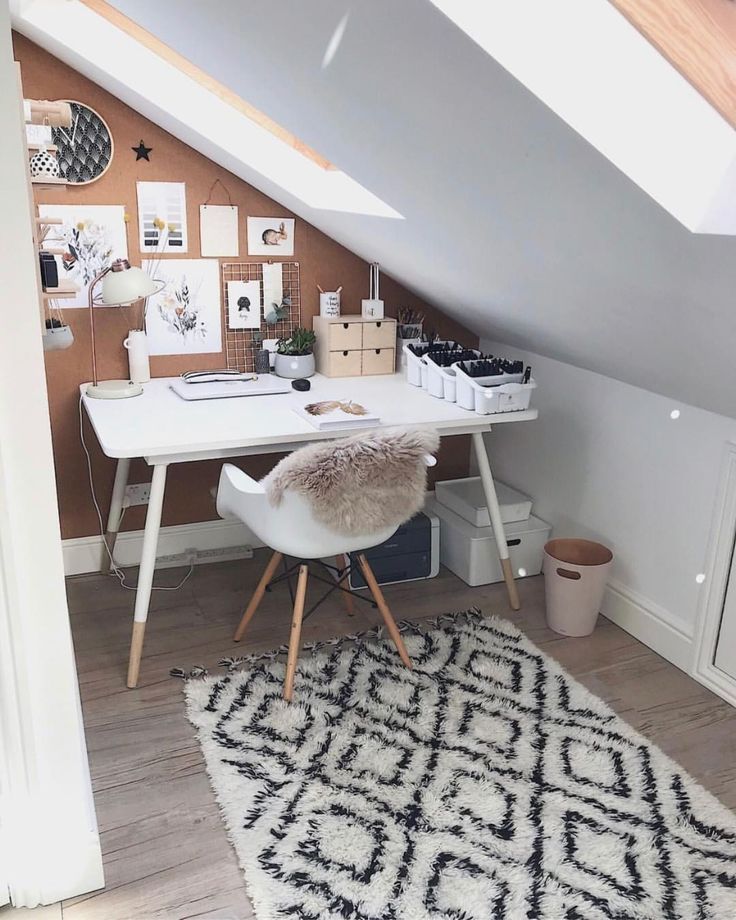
[466,498]
[471,552]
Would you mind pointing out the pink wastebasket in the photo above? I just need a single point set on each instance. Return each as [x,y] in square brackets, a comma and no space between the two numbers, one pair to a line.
[575,574]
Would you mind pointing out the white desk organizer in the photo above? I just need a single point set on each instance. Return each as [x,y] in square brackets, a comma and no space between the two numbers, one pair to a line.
[417,373]
[496,393]
[483,395]
[441,381]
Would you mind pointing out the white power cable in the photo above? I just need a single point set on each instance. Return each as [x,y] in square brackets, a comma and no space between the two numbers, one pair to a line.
[113,565]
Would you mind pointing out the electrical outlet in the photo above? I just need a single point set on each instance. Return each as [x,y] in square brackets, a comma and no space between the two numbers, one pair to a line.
[137,494]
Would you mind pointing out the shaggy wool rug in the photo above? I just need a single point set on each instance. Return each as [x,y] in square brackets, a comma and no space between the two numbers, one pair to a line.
[486,784]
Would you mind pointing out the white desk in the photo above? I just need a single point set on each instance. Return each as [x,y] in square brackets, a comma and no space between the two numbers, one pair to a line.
[164,429]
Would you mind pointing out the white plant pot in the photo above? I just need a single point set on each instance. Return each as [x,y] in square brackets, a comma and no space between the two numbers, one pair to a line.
[57,338]
[294,366]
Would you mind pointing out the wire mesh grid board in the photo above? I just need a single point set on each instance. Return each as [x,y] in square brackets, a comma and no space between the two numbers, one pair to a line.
[241,345]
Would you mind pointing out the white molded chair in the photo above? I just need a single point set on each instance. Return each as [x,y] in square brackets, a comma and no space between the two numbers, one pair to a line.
[290,529]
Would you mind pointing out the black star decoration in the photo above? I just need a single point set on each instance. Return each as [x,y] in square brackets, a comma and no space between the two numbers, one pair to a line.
[141,151]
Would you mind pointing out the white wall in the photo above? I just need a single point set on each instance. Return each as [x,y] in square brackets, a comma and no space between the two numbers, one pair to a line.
[605,461]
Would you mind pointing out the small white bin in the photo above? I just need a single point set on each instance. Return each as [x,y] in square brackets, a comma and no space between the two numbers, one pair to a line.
[466,498]
[575,575]
[471,552]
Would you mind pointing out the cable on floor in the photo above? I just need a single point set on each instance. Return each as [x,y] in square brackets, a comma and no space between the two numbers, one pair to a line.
[114,567]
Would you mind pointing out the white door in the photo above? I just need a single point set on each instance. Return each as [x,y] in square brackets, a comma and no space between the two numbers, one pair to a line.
[726,648]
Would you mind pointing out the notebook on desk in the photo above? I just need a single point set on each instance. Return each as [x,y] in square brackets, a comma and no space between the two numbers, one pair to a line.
[334,414]
[258,385]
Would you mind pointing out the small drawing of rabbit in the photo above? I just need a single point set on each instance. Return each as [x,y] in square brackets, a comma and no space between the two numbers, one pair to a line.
[275,237]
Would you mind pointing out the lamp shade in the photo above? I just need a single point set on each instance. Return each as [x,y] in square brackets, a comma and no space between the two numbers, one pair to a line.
[125,284]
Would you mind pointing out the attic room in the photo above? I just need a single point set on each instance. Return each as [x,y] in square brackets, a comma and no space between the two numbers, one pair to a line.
[368,460]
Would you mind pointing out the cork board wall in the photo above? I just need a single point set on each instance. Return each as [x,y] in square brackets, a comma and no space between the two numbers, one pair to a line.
[321,260]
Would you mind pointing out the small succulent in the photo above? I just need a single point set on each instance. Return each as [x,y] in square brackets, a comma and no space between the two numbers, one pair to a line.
[300,342]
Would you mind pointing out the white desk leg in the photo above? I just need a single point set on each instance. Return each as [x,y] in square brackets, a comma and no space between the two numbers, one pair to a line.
[489,491]
[116,512]
[145,573]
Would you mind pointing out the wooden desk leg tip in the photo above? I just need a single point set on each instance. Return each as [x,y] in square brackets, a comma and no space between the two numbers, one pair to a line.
[136,650]
[508,577]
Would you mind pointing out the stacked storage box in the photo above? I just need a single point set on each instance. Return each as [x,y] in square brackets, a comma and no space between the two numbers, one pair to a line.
[467,545]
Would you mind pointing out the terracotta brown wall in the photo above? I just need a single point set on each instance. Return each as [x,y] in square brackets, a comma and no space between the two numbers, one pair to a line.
[321,260]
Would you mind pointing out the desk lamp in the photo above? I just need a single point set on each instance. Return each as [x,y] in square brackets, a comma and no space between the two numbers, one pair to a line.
[122,285]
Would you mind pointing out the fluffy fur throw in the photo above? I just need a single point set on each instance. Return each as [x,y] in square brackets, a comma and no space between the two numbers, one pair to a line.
[360,484]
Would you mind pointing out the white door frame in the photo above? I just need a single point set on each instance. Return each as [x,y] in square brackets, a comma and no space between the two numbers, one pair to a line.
[719,556]
[48,834]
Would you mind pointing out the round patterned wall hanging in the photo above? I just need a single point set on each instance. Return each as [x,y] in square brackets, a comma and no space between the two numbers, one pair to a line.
[85,149]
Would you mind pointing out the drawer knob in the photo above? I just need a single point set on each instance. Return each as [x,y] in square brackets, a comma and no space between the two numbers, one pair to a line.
[345,325]
[345,354]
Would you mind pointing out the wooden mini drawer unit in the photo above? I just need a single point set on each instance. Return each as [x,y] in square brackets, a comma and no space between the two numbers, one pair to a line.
[350,346]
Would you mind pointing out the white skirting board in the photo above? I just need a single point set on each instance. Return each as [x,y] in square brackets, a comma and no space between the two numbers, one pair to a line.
[649,623]
[215,541]
[639,616]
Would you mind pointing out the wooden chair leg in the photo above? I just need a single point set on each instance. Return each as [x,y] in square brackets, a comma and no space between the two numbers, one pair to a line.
[393,629]
[257,595]
[296,632]
[341,562]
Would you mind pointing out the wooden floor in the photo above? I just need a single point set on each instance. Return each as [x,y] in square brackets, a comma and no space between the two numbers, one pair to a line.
[165,850]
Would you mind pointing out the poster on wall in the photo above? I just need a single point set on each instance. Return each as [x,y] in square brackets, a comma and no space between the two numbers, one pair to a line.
[244,304]
[162,216]
[90,238]
[271,236]
[218,230]
[184,318]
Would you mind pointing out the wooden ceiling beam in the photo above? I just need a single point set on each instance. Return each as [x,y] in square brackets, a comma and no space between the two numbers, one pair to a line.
[698,37]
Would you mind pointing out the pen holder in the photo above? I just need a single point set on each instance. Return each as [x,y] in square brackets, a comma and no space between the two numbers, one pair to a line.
[329,303]
[137,347]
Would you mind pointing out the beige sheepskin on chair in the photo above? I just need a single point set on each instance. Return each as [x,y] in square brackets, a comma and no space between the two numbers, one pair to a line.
[361,484]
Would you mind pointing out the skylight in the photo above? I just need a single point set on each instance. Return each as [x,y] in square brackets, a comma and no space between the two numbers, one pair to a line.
[585,61]
[208,115]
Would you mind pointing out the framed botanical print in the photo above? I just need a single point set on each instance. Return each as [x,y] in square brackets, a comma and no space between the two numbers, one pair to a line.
[85,149]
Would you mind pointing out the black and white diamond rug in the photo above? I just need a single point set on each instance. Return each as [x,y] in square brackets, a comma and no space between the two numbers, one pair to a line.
[486,783]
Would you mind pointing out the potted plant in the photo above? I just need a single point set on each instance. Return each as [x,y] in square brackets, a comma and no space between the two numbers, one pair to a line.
[58,335]
[294,355]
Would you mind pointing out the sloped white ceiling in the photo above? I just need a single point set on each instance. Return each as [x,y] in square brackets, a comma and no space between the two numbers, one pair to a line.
[512,223]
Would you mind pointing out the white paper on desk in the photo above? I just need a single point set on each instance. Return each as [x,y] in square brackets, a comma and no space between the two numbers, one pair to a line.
[218,230]
[273,285]
[167,202]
